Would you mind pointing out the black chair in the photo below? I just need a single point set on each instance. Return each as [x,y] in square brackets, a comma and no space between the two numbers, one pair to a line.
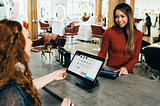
[144,44]
[152,57]
[156,39]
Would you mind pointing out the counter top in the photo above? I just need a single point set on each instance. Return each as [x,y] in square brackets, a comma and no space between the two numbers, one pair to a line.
[126,90]
[129,90]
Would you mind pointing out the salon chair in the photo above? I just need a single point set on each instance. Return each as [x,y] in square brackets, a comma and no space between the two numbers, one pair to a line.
[97,32]
[44,26]
[100,23]
[156,39]
[72,32]
[73,23]
[42,43]
[152,57]
[25,25]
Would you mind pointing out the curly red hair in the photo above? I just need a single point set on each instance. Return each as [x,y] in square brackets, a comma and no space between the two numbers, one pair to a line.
[14,60]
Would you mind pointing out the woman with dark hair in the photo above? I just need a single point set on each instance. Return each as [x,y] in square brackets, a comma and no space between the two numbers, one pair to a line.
[122,41]
[148,24]
[17,88]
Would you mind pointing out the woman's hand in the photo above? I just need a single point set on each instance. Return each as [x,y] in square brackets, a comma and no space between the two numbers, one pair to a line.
[60,74]
[122,70]
[67,102]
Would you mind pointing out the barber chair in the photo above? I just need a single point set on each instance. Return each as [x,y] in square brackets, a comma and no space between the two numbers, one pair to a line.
[73,23]
[156,39]
[72,32]
[152,57]
[44,26]
[97,32]
[100,23]
[42,43]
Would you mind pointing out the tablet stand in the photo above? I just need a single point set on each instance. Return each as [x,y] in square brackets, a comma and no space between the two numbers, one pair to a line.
[87,85]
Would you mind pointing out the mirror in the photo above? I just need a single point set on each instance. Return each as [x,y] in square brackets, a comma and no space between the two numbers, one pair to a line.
[84,13]
[60,12]
[43,12]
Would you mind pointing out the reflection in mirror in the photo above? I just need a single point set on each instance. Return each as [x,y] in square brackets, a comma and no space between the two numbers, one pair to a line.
[84,13]
[43,12]
[60,12]
[85,17]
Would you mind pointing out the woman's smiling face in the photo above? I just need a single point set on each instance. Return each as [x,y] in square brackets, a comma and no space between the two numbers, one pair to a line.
[121,18]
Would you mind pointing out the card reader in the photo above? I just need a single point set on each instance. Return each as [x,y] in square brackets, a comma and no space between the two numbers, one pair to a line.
[108,74]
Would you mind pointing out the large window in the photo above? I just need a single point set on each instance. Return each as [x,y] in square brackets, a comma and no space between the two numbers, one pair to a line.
[18,9]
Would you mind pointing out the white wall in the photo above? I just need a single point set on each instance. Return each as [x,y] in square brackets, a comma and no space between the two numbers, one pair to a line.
[152,7]
[53,6]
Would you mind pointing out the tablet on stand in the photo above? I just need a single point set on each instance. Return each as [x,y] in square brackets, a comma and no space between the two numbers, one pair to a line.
[86,68]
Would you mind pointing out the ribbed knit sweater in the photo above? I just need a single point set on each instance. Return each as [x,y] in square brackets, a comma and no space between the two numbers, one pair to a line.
[114,43]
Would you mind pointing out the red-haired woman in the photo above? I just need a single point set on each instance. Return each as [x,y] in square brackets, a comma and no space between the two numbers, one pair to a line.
[17,88]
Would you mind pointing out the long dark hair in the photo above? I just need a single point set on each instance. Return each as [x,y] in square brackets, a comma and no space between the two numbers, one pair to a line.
[129,29]
[14,59]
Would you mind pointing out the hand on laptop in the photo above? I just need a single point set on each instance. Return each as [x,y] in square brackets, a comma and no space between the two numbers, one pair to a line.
[122,70]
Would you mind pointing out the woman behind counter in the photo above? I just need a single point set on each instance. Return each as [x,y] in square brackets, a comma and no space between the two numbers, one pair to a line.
[122,41]
[17,88]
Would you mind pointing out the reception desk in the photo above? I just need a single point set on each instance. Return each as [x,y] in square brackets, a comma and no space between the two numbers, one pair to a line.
[126,90]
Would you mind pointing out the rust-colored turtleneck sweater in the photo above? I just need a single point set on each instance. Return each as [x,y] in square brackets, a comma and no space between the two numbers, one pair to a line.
[114,43]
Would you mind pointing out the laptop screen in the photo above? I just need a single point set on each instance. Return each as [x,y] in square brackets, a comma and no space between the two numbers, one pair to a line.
[86,65]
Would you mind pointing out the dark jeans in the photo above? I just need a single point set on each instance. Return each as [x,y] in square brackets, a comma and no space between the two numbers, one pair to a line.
[149,30]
